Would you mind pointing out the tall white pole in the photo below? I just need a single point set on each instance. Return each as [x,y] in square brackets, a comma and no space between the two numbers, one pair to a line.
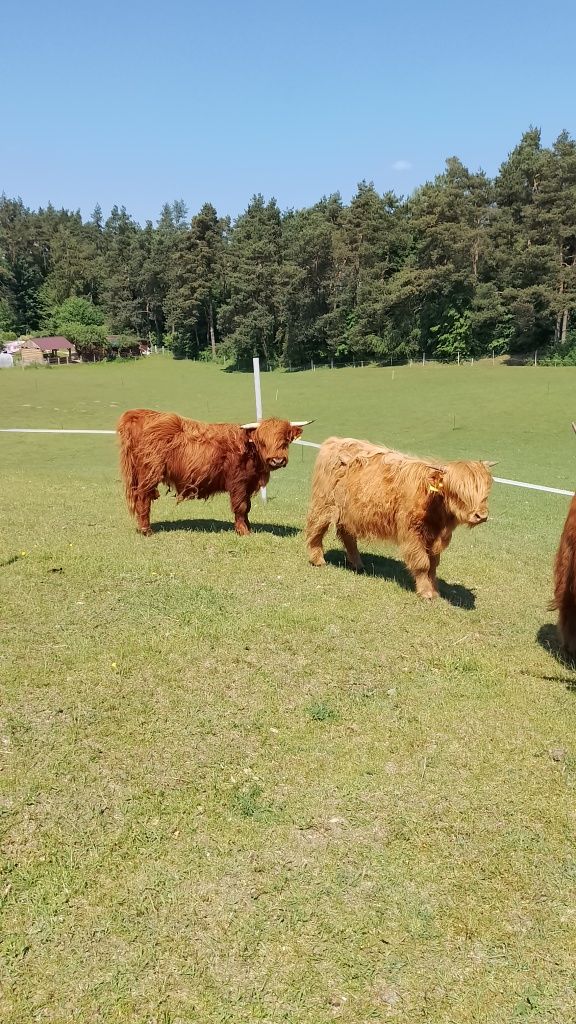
[258,397]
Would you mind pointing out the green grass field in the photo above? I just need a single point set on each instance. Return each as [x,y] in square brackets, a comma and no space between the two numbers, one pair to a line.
[236,788]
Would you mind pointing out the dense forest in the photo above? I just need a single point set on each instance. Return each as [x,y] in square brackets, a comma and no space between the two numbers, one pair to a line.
[466,264]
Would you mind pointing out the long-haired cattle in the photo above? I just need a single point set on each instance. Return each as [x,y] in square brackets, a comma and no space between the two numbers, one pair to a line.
[564,601]
[197,459]
[369,491]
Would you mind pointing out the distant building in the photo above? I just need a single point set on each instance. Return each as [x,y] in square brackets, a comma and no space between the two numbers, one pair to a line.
[30,352]
[51,347]
[39,350]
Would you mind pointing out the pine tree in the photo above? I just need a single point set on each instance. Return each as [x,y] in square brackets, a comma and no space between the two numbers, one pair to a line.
[251,317]
[306,281]
[196,286]
[120,267]
[23,258]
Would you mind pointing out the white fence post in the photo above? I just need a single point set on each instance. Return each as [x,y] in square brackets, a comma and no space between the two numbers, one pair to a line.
[258,397]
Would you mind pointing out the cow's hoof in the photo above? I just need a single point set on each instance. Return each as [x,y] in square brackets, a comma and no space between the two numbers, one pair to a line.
[146,533]
[317,562]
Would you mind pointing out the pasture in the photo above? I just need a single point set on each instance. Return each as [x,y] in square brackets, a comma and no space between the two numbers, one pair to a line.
[236,788]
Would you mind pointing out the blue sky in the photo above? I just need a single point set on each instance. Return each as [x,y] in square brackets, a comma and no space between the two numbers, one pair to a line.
[141,103]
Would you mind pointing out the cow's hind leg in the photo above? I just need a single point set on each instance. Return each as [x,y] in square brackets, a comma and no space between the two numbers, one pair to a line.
[315,532]
[142,508]
[349,541]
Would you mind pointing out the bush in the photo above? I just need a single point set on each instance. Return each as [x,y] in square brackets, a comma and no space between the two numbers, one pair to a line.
[90,341]
[75,310]
[562,355]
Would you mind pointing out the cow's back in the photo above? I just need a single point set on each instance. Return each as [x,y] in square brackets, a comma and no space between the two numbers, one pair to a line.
[147,426]
[362,485]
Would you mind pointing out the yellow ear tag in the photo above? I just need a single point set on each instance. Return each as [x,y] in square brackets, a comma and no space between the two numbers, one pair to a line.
[435,490]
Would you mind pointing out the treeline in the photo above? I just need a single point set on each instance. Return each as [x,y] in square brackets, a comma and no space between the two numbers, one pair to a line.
[467,264]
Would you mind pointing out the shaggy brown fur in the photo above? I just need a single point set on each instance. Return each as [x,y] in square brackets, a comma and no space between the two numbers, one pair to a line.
[565,582]
[369,491]
[564,601]
[197,460]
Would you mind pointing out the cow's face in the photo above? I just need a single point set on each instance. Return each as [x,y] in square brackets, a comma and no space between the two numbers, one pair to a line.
[479,514]
[272,438]
[467,489]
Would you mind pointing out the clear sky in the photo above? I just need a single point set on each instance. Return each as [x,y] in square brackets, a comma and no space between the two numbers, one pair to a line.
[142,103]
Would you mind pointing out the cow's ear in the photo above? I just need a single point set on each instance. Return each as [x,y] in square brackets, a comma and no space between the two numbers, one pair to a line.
[249,430]
[436,480]
[297,427]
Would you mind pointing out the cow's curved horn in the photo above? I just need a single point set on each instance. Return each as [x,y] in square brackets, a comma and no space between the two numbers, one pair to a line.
[574,427]
[300,423]
[249,426]
[490,464]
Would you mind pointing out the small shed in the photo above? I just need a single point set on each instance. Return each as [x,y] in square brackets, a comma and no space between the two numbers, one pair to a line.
[30,352]
[55,348]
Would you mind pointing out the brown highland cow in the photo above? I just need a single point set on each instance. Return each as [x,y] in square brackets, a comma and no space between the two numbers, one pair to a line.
[369,491]
[197,460]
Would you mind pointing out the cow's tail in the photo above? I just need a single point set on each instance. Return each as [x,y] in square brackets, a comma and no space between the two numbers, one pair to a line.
[128,430]
[564,600]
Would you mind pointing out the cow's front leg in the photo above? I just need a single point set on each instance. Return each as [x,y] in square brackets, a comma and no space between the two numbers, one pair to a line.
[425,586]
[240,507]
[434,560]
[422,567]
[434,551]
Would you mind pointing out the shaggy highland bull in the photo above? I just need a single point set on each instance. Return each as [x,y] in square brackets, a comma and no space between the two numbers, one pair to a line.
[369,491]
[564,601]
[197,460]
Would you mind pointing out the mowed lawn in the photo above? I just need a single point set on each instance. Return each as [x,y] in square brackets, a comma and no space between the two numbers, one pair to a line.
[236,788]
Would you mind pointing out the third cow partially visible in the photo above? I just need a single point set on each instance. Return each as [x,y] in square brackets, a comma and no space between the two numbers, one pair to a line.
[564,601]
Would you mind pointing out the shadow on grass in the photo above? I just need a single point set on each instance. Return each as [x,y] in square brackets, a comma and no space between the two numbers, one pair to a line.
[547,637]
[392,569]
[219,526]
[9,561]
